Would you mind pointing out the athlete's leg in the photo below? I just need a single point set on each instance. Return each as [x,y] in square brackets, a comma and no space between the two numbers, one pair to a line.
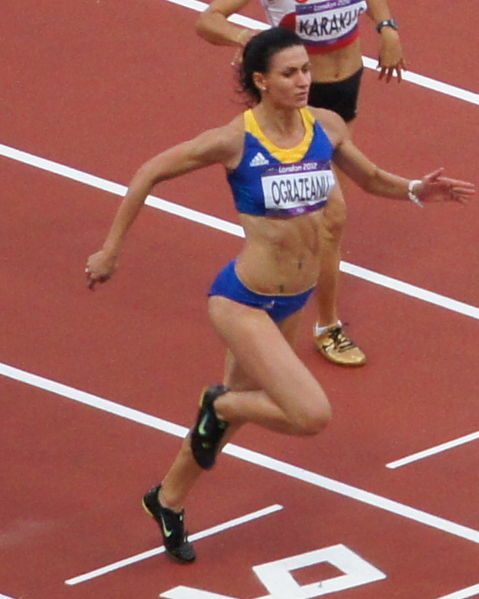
[236,379]
[291,400]
[333,220]
[269,385]
[329,335]
[341,97]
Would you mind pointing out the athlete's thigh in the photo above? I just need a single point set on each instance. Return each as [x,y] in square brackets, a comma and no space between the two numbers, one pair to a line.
[235,376]
[262,354]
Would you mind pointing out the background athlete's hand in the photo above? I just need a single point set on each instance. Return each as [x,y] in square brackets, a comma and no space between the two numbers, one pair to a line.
[243,38]
[100,268]
[435,188]
[391,58]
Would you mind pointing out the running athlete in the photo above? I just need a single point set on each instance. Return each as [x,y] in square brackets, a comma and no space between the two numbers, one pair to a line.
[278,159]
[329,30]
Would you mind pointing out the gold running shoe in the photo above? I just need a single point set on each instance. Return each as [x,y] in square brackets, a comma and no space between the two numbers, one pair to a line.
[336,346]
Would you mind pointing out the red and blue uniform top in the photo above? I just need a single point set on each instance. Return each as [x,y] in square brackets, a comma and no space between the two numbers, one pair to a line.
[322,25]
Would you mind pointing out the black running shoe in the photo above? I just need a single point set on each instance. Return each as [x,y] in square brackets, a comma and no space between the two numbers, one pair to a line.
[208,431]
[172,527]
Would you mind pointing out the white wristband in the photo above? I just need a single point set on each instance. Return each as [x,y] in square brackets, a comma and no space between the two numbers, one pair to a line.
[410,192]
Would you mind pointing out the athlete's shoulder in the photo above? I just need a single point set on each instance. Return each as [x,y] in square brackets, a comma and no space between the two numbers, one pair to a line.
[230,134]
[223,143]
[334,125]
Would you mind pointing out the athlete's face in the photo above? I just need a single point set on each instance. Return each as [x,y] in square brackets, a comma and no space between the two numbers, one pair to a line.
[288,79]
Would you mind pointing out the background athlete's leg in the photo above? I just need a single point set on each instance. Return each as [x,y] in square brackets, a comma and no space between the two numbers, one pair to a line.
[329,336]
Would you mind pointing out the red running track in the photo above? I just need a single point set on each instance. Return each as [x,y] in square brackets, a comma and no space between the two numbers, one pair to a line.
[101,86]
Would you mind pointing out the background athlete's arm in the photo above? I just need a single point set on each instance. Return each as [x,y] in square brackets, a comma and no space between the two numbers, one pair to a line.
[391,57]
[214,27]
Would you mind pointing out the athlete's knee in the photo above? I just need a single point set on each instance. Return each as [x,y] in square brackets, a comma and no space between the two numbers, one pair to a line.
[314,419]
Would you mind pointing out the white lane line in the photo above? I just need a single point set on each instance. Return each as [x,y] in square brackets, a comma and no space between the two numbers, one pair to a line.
[5,596]
[464,594]
[247,455]
[119,190]
[433,450]
[411,290]
[370,63]
[432,84]
[233,229]
[195,537]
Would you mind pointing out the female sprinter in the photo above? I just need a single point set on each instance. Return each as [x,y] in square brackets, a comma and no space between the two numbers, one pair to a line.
[329,30]
[278,159]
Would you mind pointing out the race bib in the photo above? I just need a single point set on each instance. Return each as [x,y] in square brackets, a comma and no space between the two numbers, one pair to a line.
[297,188]
[323,23]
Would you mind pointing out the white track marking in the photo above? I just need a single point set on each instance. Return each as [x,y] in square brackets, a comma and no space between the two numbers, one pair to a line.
[411,290]
[464,594]
[5,596]
[370,63]
[432,84]
[195,537]
[119,190]
[247,455]
[233,229]
[433,450]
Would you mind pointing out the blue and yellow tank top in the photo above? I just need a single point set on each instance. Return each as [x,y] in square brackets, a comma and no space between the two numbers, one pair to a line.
[274,181]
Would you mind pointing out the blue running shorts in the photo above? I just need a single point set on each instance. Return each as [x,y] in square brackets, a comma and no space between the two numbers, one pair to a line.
[278,307]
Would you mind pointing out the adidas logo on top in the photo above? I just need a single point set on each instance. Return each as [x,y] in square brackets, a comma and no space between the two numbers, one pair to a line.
[259,160]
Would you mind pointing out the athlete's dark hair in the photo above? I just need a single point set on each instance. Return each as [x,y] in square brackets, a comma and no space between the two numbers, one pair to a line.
[257,56]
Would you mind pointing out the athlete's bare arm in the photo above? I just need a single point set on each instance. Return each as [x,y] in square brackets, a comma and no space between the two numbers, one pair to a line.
[375,180]
[214,27]
[223,145]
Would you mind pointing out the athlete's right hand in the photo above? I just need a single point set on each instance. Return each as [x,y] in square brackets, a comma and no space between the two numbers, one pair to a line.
[99,268]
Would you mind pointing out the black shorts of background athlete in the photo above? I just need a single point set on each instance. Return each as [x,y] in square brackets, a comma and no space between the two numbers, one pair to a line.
[340,96]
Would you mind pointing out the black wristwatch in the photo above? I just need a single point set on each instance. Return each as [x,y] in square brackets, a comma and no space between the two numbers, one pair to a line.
[389,23]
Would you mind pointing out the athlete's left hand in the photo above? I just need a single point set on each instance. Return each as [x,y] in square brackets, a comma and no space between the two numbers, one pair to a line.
[435,188]
[391,59]
[244,37]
